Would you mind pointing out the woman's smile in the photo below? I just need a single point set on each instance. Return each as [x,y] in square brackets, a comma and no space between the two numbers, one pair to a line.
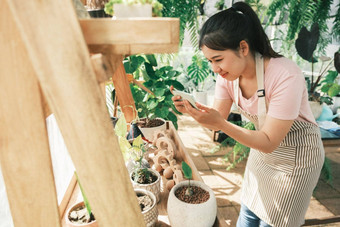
[224,75]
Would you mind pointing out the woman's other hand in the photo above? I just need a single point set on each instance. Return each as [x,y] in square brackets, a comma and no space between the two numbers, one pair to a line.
[206,116]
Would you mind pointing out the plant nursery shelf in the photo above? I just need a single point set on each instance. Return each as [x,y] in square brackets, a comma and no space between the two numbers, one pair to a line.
[131,35]
[163,221]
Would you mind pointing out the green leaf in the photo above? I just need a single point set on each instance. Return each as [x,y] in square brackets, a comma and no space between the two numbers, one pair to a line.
[152,60]
[138,142]
[150,71]
[133,63]
[160,84]
[148,84]
[171,74]
[165,68]
[331,76]
[124,146]
[162,112]
[172,117]
[334,90]
[159,91]
[86,201]
[177,85]
[121,127]
[186,170]
[151,104]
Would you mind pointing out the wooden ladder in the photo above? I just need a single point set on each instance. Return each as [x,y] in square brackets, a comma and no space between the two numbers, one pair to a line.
[46,66]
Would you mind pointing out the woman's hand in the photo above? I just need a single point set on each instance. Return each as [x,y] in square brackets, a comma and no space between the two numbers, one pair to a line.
[178,102]
[206,116]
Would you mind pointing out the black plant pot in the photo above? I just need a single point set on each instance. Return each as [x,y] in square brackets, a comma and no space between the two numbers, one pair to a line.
[97,13]
[134,132]
[114,121]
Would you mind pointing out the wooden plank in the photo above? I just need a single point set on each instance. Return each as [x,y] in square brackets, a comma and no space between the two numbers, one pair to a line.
[132,35]
[163,220]
[67,196]
[184,156]
[131,49]
[123,93]
[24,149]
[322,221]
[61,61]
[182,153]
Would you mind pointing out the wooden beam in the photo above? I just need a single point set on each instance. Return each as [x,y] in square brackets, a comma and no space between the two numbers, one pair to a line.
[24,149]
[132,36]
[60,58]
[123,93]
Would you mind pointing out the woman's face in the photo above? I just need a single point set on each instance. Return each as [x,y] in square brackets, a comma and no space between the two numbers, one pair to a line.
[226,63]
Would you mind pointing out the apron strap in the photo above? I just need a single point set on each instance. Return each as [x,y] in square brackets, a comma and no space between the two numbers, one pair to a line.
[236,87]
[261,107]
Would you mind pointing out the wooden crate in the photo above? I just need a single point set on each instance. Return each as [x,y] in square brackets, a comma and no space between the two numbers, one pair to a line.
[182,155]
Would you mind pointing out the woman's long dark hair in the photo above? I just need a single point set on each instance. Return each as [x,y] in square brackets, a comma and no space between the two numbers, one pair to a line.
[226,29]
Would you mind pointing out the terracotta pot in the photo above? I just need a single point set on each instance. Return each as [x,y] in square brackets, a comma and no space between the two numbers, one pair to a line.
[71,224]
[182,214]
[149,132]
[154,187]
[151,215]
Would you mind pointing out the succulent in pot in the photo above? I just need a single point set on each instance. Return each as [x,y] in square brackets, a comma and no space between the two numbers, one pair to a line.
[148,204]
[191,203]
[148,179]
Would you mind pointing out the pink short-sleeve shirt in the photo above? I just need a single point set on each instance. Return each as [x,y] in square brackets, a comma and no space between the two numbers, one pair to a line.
[286,92]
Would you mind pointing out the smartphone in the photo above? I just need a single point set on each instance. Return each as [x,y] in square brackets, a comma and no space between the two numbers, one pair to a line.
[186,96]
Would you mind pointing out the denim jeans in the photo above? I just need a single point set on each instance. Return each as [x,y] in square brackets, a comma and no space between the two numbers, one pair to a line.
[248,219]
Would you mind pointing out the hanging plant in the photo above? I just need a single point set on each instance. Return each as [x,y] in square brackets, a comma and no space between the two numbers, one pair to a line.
[304,13]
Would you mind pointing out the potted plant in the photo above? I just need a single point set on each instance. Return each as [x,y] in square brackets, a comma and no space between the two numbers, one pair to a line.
[198,72]
[134,8]
[191,203]
[80,214]
[141,175]
[305,45]
[148,205]
[154,100]
[95,8]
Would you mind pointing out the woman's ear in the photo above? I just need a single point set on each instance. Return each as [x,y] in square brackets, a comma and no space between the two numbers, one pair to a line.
[244,48]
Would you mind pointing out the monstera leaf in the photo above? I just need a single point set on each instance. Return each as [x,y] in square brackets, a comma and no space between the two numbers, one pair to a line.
[307,41]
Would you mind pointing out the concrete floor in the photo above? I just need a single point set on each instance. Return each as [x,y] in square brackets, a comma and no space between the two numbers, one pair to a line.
[227,184]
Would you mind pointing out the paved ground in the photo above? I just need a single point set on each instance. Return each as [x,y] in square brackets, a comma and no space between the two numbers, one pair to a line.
[227,184]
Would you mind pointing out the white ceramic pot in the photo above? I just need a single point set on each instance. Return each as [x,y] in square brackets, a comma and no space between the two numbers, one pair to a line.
[316,108]
[201,97]
[134,10]
[182,214]
[149,132]
[154,187]
[151,215]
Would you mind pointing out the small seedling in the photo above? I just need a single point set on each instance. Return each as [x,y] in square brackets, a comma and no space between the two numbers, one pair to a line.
[188,175]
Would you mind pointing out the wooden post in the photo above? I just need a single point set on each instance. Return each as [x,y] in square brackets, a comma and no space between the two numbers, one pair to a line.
[60,59]
[24,149]
[123,93]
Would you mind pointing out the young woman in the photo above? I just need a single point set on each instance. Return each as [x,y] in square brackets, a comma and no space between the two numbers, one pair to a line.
[286,149]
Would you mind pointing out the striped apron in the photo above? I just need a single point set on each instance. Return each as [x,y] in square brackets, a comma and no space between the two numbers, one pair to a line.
[277,187]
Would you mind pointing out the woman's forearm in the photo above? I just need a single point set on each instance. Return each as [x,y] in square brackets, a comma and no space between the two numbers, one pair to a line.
[258,140]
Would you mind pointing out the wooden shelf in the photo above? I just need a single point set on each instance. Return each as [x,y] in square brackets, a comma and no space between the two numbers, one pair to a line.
[163,220]
[131,35]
